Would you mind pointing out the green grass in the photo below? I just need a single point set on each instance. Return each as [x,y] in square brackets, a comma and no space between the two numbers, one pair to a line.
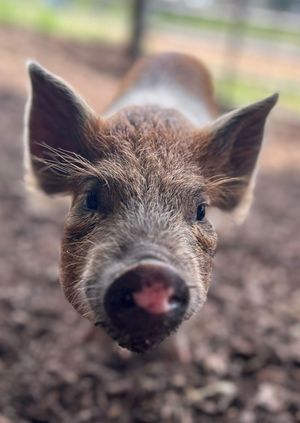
[244,28]
[241,91]
[89,20]
[81,22]
[109,22]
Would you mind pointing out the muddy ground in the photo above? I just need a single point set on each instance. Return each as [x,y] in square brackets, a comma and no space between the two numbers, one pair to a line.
[246,340]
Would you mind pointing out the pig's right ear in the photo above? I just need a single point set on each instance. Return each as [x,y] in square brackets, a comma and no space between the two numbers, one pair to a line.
[58,120]
[228,152]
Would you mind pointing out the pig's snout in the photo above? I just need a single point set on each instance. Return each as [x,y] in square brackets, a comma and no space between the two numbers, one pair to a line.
[155,297]
[146,303]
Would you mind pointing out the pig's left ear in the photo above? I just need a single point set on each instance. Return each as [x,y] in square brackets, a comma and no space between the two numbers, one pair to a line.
[228,151]
[56,119]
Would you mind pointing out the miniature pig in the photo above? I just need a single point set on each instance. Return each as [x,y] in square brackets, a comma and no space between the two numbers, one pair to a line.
[137,248]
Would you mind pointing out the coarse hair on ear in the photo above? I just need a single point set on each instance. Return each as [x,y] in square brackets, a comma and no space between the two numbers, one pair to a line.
[227,151]
[58,123]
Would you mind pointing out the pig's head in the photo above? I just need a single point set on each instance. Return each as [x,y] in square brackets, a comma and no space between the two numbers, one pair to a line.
[137,248]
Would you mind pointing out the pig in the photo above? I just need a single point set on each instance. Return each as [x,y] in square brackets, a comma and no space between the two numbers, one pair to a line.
[138,245]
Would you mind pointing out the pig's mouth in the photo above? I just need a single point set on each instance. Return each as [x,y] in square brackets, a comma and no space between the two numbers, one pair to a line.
[145,304]
[144,338]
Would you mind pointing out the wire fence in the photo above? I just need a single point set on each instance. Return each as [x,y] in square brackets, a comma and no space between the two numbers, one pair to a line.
[251,51]
[252,47]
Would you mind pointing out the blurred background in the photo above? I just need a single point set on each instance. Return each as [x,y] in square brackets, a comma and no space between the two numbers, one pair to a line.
[245,363]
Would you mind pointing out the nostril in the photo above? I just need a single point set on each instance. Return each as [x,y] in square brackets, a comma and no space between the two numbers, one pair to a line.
[126,300]
[175,301]
[120,298]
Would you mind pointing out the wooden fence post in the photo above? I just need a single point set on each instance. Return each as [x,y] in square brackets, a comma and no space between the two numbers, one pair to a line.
[137,28]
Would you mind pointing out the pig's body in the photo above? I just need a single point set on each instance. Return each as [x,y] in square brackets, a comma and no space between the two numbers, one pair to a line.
[138,248]
[171,81]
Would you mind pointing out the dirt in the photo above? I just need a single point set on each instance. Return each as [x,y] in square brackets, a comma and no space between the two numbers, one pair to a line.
[246,341]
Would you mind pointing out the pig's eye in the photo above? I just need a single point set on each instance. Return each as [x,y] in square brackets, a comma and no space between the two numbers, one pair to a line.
[91,201]
[201,211]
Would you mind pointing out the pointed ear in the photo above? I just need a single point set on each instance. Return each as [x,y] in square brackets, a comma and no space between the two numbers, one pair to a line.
[56,118]
[229,149]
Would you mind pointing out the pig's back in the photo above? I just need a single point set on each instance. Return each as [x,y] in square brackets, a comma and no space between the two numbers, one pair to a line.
[170,80]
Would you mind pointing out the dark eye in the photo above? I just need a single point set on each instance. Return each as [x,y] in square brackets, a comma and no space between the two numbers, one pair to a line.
[201,211]
[92,201]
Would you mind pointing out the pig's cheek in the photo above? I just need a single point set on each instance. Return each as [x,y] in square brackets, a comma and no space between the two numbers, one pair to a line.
[75,247]
[207,273]
[205,241]
[77,299]
[72,268]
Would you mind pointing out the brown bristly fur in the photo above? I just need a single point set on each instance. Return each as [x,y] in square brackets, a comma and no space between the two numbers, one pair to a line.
[150,166]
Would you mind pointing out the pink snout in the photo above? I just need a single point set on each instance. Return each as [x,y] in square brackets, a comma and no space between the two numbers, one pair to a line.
[146,302]
[155,298]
